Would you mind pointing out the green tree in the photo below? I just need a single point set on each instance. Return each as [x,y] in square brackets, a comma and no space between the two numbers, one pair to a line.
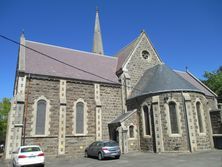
[214,81]
[4,109]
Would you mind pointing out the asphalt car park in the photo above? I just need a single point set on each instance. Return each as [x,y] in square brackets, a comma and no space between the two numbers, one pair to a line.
[139,159]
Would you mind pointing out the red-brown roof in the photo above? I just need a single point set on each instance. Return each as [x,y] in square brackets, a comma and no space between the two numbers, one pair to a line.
[36,63]
[104,67]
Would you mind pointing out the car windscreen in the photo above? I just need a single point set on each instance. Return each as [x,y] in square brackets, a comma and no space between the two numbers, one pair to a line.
[30,149]
[110,144]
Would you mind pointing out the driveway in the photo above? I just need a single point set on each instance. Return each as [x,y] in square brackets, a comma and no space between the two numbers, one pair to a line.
[201,159]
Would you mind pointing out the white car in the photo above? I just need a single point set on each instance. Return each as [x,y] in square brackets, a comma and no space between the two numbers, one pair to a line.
[28,155]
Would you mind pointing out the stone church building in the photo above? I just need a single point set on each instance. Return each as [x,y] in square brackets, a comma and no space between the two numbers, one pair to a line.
[64,99]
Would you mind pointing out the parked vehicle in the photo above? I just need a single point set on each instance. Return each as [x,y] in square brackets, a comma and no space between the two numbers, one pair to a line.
[28,155]
[1,148]
[103,149]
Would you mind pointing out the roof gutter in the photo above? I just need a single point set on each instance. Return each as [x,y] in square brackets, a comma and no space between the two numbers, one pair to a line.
[48,77]
[164,91]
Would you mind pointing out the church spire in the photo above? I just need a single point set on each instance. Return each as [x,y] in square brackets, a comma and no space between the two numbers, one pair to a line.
[97,41]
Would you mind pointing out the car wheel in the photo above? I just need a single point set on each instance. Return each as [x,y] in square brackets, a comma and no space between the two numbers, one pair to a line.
[117,157]
[13,164]
[100,156]
[86,154]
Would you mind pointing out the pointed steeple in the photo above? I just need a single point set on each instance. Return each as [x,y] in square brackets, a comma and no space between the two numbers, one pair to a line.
[97,41]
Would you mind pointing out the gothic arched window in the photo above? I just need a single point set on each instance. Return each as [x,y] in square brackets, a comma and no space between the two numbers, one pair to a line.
[173,118]
[199,117]
[131,131]
[147,121]
[40,117]
[79,118]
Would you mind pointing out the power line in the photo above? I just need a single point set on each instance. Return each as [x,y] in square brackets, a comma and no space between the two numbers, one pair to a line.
[62,62]
[46,55]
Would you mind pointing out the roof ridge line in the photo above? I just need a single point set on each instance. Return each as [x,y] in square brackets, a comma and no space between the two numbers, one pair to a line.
[127,45]
[201,83]
[136,44]
[51,45]
[132,112]
[179,71]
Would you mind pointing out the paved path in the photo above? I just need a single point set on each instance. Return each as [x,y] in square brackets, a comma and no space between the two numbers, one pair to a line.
[201,159]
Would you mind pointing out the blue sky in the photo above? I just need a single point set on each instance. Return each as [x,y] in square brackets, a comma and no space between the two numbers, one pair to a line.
[184,32]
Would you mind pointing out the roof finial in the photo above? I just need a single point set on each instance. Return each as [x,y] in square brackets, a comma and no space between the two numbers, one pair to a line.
[22,36]
[142,31]
[23,33]
[97,41]
[186,69]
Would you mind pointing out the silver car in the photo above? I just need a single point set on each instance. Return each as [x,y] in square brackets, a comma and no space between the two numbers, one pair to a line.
[103,149]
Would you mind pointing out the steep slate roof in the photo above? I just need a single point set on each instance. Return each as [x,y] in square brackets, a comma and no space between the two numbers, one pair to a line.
[123,117]
[125,52]
[36,63]
[196,82]
[161,78]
